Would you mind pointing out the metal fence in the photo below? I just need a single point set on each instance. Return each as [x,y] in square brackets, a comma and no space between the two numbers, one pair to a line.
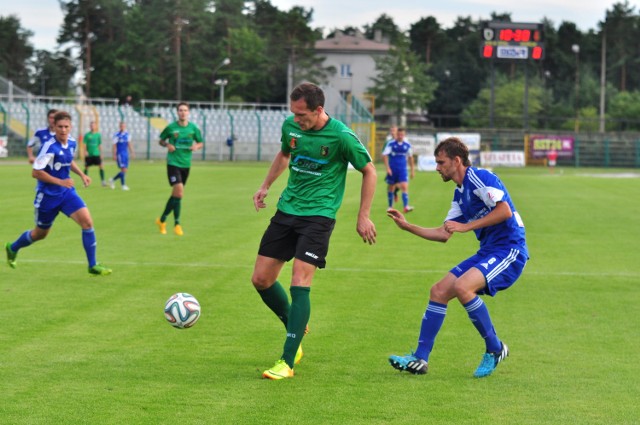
[251,131]
[233,131]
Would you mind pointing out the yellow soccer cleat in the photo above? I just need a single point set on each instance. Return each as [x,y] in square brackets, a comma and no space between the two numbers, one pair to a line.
[178,230]
[162,226]
[299,355]
[99,270]
[11,256]
[280,370]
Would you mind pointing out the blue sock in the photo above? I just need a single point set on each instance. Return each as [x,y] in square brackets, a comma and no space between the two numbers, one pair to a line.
[117,176]
[479,316]
[122,177]
[89,243]
[405,199]
[390,198]
[431,323]
[23,241]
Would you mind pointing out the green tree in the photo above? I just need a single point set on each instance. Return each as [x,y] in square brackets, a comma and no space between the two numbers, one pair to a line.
[248,51]
[624,108]
[459,69]
[52,73]
[15,50]
[387,28]
[403,84]
[427,39]
[97,28]
[621,26]
[508,105]
[290,41]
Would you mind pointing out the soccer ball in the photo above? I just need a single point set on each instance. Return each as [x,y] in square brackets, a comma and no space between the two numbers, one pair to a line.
[182,310]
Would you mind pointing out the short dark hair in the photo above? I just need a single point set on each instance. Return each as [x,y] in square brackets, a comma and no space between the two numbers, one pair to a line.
[312,94]
[182,103]
[61,115]
[452,147]
[51,111]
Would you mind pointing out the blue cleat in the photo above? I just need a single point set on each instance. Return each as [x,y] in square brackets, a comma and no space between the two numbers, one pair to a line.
[490,362]
[410,363]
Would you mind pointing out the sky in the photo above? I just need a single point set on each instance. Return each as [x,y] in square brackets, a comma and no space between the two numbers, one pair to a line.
[44,17]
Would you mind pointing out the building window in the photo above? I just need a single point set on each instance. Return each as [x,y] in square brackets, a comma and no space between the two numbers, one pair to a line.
[345,70]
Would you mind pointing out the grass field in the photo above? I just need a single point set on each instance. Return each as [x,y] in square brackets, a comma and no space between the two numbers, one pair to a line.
[76,349]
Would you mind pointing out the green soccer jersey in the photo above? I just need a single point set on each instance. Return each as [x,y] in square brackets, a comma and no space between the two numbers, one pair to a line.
[92,141]
[182,138]
[318,167]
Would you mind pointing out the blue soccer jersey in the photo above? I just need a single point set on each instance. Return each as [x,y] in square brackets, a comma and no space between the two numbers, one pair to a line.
[40,137]
[398,153]
[481,190]
[121,141]
[55,159]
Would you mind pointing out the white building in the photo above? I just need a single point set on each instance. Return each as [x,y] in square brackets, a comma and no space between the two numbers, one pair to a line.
[353,57]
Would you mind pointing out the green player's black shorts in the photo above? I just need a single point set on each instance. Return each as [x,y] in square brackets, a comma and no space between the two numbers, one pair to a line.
[177,175]
[303,237]
[92,160]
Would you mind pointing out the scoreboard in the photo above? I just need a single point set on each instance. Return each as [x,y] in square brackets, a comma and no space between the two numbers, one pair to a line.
[512,40]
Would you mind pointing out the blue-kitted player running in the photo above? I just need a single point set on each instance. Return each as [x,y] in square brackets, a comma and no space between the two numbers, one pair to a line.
[396,155]
[480,203]
[122,148]
[55,193]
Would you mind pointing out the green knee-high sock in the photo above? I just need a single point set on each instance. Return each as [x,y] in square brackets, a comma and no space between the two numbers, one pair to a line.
[101,175]
[276,298]
[177,206]
[299,314]
[168,208]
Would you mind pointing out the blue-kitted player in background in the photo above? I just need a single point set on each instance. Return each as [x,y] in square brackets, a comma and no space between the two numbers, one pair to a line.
[480,203]
[397,155]
[55,193]
[122,148]
[41,136]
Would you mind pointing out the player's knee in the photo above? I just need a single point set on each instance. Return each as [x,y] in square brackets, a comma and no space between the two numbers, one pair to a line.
[39,234]
[439,293]
[260,282]
[463,292]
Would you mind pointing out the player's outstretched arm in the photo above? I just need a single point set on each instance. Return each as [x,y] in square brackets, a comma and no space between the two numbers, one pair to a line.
[436,234]
[500,213]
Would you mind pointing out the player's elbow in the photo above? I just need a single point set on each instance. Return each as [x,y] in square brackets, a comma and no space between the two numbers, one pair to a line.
[505,210]
[442,236]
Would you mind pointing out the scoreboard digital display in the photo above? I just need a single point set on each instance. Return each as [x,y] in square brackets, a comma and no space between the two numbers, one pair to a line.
[512,40]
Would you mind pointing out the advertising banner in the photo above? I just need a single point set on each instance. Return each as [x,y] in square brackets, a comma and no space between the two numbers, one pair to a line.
[472,140]
[540,145]
[502,159]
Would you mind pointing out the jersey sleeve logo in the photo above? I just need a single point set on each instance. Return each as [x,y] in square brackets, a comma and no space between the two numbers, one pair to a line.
[324,150]
[292,143]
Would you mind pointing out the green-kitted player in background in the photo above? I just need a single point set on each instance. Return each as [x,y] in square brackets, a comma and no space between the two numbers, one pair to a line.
[92,141]
[181,138]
